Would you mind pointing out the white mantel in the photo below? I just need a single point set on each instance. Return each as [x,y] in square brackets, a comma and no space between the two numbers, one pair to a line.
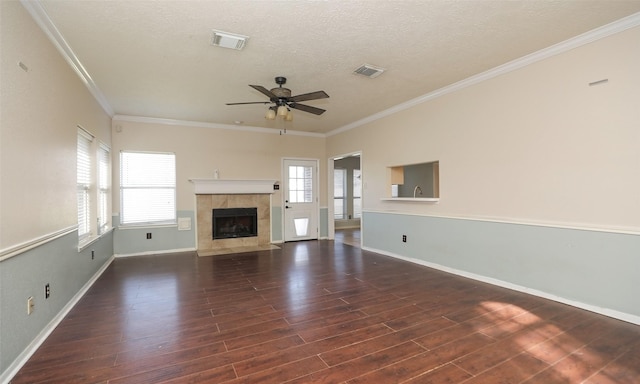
[224,187]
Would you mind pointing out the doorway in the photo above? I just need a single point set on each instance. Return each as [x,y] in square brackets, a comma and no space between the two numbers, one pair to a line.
[347,198]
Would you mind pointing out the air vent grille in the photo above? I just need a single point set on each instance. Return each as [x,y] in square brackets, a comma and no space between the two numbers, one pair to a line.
[228,40]
[370,71]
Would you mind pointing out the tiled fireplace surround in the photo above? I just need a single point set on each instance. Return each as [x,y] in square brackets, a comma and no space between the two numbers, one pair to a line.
[213,194]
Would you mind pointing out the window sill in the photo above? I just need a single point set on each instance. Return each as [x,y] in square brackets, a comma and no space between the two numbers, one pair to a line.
[413,199]
[86,242]
[143,226]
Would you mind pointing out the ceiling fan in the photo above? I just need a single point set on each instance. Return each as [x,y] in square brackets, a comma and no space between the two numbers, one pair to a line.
[283,100]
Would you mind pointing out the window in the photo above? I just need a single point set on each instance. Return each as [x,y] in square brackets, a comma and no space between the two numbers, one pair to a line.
[344,194]
[357,194]
[104,175]
[147,188]
[300,184]
[83,182]
[339,193]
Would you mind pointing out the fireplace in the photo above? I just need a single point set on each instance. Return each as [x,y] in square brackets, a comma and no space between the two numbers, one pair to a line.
[230,194]
[231,223]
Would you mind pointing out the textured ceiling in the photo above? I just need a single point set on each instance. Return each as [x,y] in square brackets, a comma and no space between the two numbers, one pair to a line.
[154,58]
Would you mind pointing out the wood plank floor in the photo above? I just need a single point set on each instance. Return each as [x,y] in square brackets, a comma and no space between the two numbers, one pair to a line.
[350,236]
[322,312]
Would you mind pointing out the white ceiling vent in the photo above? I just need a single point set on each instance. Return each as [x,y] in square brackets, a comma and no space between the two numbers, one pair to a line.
[228,40]
[370,71]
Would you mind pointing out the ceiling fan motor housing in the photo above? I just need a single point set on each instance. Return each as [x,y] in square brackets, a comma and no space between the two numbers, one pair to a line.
[281,92]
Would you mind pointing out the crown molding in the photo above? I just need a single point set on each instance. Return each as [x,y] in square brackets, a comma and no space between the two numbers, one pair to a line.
[199,124]
[567,45]
[39,14]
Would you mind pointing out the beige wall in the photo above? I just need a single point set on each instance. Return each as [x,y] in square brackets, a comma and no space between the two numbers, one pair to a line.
[40,110]
[536,145]
[237,154]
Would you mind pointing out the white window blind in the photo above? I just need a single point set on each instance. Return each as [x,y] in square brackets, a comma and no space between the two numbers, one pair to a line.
[147,188]
[83,180]
[339,193]
[104,175]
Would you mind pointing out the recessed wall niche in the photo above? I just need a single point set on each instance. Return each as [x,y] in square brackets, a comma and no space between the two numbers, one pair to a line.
[421,180]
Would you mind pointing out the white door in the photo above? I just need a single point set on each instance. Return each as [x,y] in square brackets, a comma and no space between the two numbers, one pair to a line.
[300,199]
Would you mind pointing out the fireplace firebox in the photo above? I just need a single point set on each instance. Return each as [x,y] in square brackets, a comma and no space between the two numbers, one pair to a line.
[229,223]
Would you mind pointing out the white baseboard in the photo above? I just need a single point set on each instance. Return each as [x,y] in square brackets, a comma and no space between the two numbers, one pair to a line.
[147,253]
[22,359]
[592,308]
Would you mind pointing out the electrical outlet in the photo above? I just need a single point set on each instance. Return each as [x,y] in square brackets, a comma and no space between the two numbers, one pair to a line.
[404,238]
[30,305]
[148,235]
[47,291]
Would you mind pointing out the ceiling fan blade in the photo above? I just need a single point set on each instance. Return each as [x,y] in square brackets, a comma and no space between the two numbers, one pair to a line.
[309,96]
[264,90]
[251,102]
[307,108]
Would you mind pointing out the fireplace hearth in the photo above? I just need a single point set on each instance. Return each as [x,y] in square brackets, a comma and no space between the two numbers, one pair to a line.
[230,223]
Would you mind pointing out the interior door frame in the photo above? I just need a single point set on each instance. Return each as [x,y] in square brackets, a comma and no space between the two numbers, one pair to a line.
[284,192]
[331,231]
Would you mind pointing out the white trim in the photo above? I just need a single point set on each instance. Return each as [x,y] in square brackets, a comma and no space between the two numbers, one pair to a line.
[199,124]
[413,199]
[556,49]
[561,225]
[84,132]
[149,253]
[39,14]
[15,250]
[146,226]
[227,187]
[592,308]
[22,359]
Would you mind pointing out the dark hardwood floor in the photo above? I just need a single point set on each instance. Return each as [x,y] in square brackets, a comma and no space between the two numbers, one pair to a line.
[350,236]
[322,312]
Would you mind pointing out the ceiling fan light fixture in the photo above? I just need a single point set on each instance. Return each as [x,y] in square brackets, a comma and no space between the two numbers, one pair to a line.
[228,40]
[368,70]
[289,116]
[282,111]
[271,114]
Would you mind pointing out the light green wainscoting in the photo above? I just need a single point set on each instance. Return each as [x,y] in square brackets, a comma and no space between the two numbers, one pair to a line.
[594,270]
[276,224]
[324,223]
[68,272]
[133,240]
